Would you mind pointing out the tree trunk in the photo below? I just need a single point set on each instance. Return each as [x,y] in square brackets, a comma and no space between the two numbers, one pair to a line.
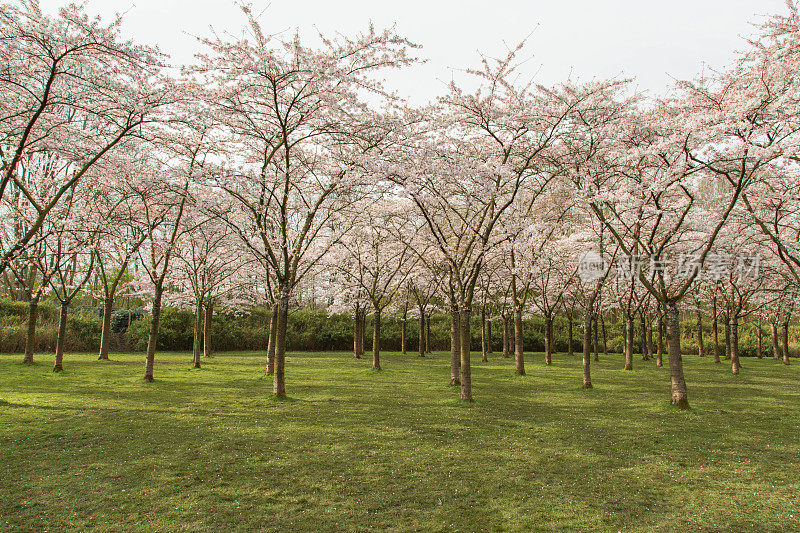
[776,347]
[30,337]
[700,347]
[506,337]
[735,344]
[484,351]
[785,334]
[62,333]
[376,340]
[207,347]
[152,337]
[466,339]
[548,340]
[519,354]
[650,350]
[279,378]
[198,335]
[596,347]
[455,346]
[605,337]
[105,332]
[660,347]
[628,343]
[403,331]
[587,354]
[680,396]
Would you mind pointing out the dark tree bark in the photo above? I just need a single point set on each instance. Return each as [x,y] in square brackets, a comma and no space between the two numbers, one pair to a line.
[152,337]
[735,344]
[455,346]
[728,337]
[716,330]
[30,337]
[105,332]
[273,333]
[680,396]
[548,340]
[62,333]
[279,377]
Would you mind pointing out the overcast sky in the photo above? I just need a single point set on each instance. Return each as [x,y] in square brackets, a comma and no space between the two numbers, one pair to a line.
[651,40]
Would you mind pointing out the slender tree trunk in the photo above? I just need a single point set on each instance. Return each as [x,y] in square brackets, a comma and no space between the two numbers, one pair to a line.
[776,347]
[506,337]
[587,354]
[105,332]
[605,336]
[403,331]
[152,338]
[785,333]
[650,337]
[700,347]
[759,344]
[466,340]
[271,340]
[519,354]
[596,344]
[484,349]
[735,344]
[362,340]
[628,342]
[376,340]
[198,335]
[279,378]
[570,348]
[421,349]
[716,330]
[30,337]
[207,346]
[455,346]
[62,333]
[680,396]
[660,347]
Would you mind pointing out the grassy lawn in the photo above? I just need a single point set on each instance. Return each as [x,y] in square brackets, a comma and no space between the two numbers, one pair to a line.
[94,448]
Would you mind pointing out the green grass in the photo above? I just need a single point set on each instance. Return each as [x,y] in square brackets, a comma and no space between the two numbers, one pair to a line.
[94,448]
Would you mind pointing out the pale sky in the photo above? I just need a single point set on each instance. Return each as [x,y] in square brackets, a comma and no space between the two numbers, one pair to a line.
[650,40]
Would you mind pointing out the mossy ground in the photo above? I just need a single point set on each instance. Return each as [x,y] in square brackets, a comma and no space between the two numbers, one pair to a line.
[95,448]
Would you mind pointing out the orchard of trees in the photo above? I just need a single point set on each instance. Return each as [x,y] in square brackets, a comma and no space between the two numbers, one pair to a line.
[272,171]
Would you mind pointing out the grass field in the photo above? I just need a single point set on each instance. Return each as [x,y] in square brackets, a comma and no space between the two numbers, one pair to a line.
[94,448]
